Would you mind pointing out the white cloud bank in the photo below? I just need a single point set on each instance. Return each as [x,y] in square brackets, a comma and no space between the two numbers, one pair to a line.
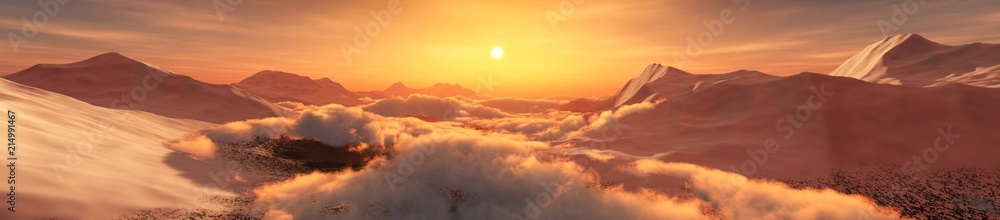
[449,176]
[440,171]
[424,105]
[518,105]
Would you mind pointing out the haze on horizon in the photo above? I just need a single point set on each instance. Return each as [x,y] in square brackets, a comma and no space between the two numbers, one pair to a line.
[590,51]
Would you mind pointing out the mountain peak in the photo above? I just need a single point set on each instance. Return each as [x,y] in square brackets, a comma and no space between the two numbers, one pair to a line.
[273,78]
[272,73]
[657,70]
[445,85]
[670,70]
[910,36]
[745,73]
[634,86]
[910,40]
[279,86]
[870,62]
[110,57]
[912,59]
[438,89]
[397,85]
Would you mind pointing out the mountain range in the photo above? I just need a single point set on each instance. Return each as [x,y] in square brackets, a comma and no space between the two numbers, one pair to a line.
[903,106]
[907,60]
[277,86]
[115,81]
[442,90]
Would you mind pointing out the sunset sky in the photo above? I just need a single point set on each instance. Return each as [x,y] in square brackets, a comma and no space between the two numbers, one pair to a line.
[592,52]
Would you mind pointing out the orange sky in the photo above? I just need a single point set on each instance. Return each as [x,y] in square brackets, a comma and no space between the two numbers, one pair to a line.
[593,51]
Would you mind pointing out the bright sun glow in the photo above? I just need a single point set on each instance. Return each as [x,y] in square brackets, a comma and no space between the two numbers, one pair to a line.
[497,52]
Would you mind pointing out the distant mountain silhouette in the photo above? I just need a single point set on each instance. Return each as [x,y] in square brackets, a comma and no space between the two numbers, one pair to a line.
[277,86]
[438,90]
[115,81]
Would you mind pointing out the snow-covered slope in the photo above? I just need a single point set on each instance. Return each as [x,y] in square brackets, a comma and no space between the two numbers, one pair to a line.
[115,81]
[79,161]
[923,149]
[819,121]
[913,60]
[983,76]
[276,86]
[661,82]
[636,88]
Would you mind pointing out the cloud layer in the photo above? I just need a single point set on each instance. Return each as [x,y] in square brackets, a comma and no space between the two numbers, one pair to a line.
[518,105]
[443,176]
[443,170]
[439,108]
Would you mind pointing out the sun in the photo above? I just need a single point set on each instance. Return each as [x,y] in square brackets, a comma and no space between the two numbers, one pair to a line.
[497,52]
